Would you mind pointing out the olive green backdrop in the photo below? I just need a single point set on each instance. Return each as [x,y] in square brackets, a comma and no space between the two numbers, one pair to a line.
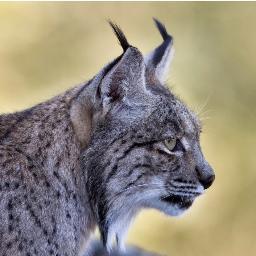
[46,48]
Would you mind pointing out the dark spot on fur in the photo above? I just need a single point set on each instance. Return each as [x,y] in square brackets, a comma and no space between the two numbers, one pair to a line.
[68,215]
[9,245]
[47,184]
[34,175]
[10,228]
[58,194]
[57,164]
[46,202]
[48,144]
[16,185]
[56,174]
[20,247]
[34,198]
[10,205]
[54,230]
[10,216]
[40,136]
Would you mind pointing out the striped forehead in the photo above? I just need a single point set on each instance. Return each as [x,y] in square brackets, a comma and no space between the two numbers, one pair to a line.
[190,122]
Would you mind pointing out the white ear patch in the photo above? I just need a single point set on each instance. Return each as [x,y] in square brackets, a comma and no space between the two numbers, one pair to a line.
[163,68]
[159,60]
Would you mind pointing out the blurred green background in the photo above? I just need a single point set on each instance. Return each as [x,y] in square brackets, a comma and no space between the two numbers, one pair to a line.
[45,48]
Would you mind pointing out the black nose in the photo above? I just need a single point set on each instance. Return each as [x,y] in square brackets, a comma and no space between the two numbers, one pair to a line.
[207,181]
[206,175]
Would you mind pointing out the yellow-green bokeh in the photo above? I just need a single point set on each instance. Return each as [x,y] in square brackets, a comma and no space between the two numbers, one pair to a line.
[46,48]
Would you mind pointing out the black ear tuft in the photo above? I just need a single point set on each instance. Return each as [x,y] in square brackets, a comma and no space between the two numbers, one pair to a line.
[120,35]
[161,49]
[159,60]
[162,30]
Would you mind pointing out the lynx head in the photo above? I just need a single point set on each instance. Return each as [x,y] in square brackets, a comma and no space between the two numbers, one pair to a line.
[144,149]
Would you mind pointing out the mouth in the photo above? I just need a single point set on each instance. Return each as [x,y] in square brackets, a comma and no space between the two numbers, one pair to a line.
[183,202]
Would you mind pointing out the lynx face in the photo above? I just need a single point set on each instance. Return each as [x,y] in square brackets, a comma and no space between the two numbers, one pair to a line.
[145,150]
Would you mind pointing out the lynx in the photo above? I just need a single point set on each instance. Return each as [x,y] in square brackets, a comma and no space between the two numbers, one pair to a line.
[97,154]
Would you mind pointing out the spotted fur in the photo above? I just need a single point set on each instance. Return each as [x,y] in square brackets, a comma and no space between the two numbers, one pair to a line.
[95,155]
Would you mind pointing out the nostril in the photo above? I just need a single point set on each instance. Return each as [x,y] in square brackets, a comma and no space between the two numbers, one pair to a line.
[207,181]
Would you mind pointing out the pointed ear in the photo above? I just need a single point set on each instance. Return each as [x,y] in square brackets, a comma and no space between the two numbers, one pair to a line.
[126,76]
[123,77]
[159,60]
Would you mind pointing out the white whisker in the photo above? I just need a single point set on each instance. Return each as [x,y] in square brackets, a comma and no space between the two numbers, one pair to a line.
[204,105]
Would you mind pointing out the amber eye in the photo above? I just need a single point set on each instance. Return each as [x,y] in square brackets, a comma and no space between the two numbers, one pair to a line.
[170,143]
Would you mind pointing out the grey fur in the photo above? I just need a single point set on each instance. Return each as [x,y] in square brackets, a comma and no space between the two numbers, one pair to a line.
[96,248]
[95,155]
